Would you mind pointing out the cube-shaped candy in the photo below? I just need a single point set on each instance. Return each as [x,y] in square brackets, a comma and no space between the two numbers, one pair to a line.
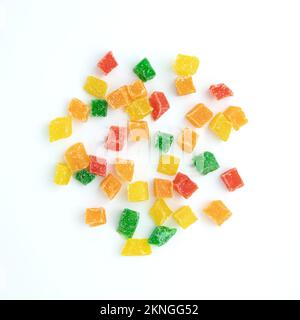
[78,110]
[205,163]
[136,247]
[220,91]
[138,130]
[138,191]
[128,222]
[159,103]
[218,212]
[60,128]
[107,63]
[124,169]
[98,166]
[232,179]
[160,212]
[199,115]
[168,164]
[98,108]
[76,157]
[144,70]
[110,185]
[139,109]
[236,116]
[96,87]
[160,235]
[184,185]
[137,90]
[62,174]
[221,126]
[187,140]
[184,216]
[184,85]
[118,98]
[186,65]
[116,138]
[163,141]
[163,188]
[84,176]
[95,216]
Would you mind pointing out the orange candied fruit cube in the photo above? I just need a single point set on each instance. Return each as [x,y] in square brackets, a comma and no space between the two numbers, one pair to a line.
[236,116]
[187,139]
[137,90]
[163,188]
[138,130]
[184,85]
[95,216]
[76,157]
[78,110]
[124,169]
[110,185]
[118,98]
[199,115]
[218,212]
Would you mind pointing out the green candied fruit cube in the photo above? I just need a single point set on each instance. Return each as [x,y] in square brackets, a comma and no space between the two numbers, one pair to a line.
[144,70]
[98,108]
[161,235]
[205,163]
[163,141]
[128,222]
[84,176]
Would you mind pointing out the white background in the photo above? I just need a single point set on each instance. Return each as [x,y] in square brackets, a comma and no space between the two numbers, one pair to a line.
[47,48]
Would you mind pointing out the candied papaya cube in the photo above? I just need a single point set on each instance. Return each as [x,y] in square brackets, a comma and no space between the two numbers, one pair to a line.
[160,212]
[110,186]
[95,87]
[205,163]
[217,211]
[221,126]
[136,247]
[98,108]
[79,110]
[128,222]
[118,98]
[160,235]
[107,63]
[144,70]
[186,65]
[138,191]
[163,141]
[185,216]
[163,188]
[184,185]
[84,176]
[187,140]
[199,115]
[62,174]
[184,86]
[124,169]
[60,128]
[95,216]
[220,91]
[236,116]
[139,109]
[232,179]
[116,138]
[168,164]
[159,103]
[137,90]
[138,130]
[76,157]
[98,166]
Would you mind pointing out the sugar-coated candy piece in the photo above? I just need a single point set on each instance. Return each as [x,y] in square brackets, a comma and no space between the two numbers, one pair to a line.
[163,188]
[78,110]
[138,130]
[128,222]
[186,65]
[84,176]
[136,247]
[221,126]
[160,212]
[185,216]
[139,109]
[184,185]
[98,166]
[160,235]
[60,128]
[116,138]
[96,87]
[76,157]
[98,108]
[232,179]
[107,63]
[217,211]
[110,185]
[62,174]
[199,115]
[236,116]
[184,85]
[95,216]
[124,169]
[159,103]
[137,90]
[118,98]
[187,140]
[168,164]
[144,70]
[138,191]
[163,141]
[220,91]
[205,163]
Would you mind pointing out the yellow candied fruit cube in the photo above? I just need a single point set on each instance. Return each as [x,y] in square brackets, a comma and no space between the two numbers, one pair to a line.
[236,116]
[118,98]
[218,212]
[221,126]
[138,191]
[62,174]
[139,109]
[168,164]
[186,65]
[136,247]
[138,130]
[184,216]
[137,90]
[187,140]
[96,87]
[160,212]
[60,128]
[95,216]
[184,85]
[76,157]
[79,110]
[124,169]
[199,115]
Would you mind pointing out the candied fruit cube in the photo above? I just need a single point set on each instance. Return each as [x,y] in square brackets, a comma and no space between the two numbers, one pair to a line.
[107,63]
[163,141]
[144,70]
[159,103]
[118,98]
[128,222]
[236,116]
[124,169]
[168,164]
[95,216]
[84,176]
[232,179]
[218,212]
[79,110]
[184,216]
[184,185]
[110,185]
[139,109]
[163,188]
[205,163]
[136,247]
[60,128]
[138,130]
[160,211]
[98,108]
[160,235]
[186,65]
[187,140]
[116,138]
[98,166]
[62,174]
[95,87]
[138,191]
[137,90]
[184,85]
[199,115]
[221,126]
[76,157]
[220,91]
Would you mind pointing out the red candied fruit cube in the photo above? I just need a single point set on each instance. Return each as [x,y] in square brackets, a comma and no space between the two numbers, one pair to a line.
[107,63]
[98,166]
[220,91]
[159,103]
[184,185]
[116,138]
[232,179]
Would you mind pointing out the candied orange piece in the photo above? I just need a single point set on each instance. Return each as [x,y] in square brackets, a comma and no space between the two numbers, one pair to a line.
[184,85]
[110,185]
[199,115]
[118,98]
[95,216]
[124,169]
[236,116]
[137,90]
[76,157]
[163,188]
[138,130]
[187,139]
[78,110]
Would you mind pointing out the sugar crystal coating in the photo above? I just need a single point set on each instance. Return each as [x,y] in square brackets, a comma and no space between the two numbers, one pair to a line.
[95,216]
[218,212]
[110,185]
[138,130]
[118,98]
[107,63]
[78,110]
[98,166]
[220,91]
[186,65]
[60,128]
[232,179]
[163,188]
[168,164]
[160,211]
[116,138]
[62,174]
[163,141]
[221,126]
[159,103]
[139,109]
[160,235]
[184,86]
[199,115]
[84,176]
[124,169]
[137,90]
[98,108]
[128,222]
[76,157]
[96,87]
[138,191]
[185,217]
[136,247]
[205,162]
[144,70]
[184,185]
[236,116]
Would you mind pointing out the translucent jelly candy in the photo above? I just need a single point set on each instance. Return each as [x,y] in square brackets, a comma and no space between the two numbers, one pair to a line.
[96,87]
[98,166]
[95,216]
[187,140]
[205,163]
[136,247]
[159,103]
[107,63]
[110,186]
[218,212]
[184,85]
[116,138]
[137,90]
[184,216]
[236,116]
[62,174]
[184,185]
[160,235]
[139,109]
[220,91]
[232,179]
[79,110]
[186,65]
[199,115]
[124,169]
[144,70]
[99,108]
[163,188]
[160,212]
[60,128]
[168,164]
[163,141]
[128,222]
[138,130]
[84,176]
[138,191]
[76,157]
[118,98]
[221,126]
